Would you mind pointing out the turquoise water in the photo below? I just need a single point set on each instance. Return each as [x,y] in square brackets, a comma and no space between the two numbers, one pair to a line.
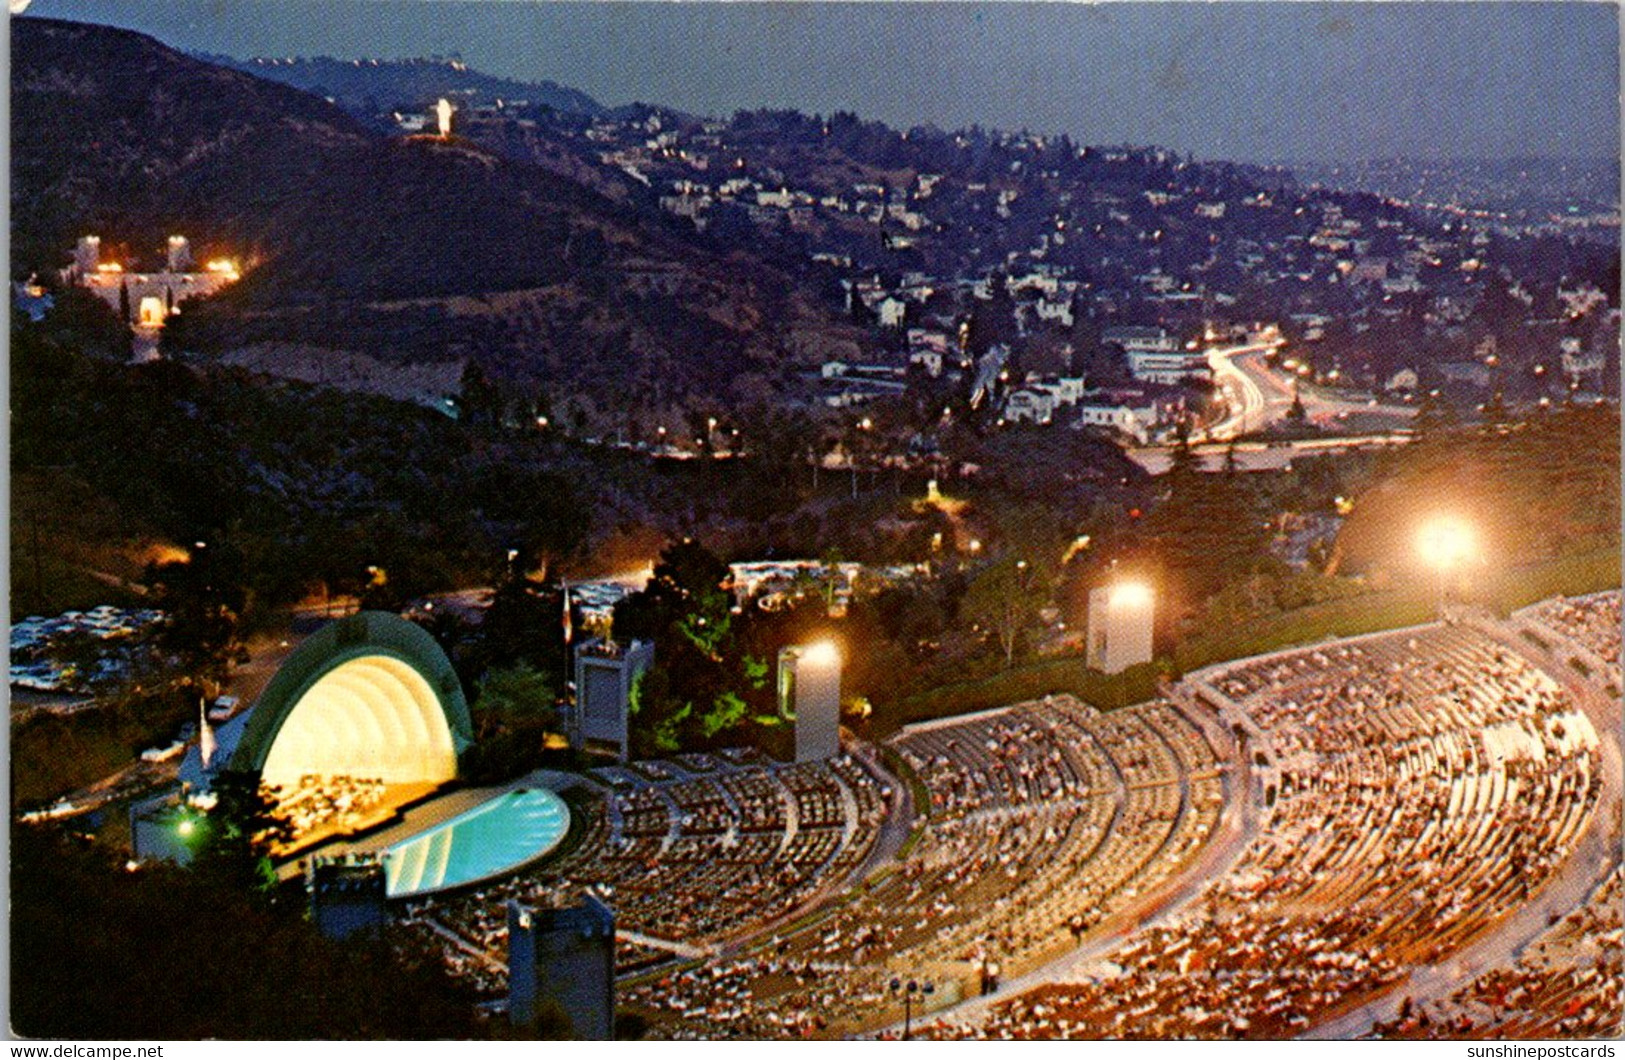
[511,829]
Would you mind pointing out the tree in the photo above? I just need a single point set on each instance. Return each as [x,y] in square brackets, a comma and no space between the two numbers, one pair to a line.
[524,625]
[478,398]
[993,321]
[656,715]
[513,711]
[707,625]
[202,599]
[910,615]
[1183,463]
[727,711]
[1203,535]
[705,686]
[1004,599]
[240,833]
[514,698]
[683,571]
[169,944]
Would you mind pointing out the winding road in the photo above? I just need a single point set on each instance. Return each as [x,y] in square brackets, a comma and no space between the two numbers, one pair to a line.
[1257,397]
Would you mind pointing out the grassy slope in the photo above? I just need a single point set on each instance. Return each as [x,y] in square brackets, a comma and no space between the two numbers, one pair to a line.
[1367,613]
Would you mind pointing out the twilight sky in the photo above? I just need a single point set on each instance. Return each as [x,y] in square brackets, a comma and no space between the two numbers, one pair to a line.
[1245,81]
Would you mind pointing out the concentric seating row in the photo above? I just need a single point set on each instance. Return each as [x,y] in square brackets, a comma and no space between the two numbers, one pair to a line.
[1591,623]
[695,860]
[1568,983]
[1430,783]
[1045,818]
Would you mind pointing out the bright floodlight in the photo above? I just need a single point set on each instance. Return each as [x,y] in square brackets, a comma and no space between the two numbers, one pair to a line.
[1131,594]
[821,653]
[186,826]
[1120,620]
[1444,542]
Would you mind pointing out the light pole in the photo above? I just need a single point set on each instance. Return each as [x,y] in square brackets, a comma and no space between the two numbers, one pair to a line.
[863,425]
[909,990]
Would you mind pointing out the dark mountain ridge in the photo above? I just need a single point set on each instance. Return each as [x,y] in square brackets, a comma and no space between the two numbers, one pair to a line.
[373,85]
[113,133]
[409,249]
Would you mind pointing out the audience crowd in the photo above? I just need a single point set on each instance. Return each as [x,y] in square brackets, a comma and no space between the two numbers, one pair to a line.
[689,863]
[1569,983]
[1590,622]
[1044,819]
[1425,785]
[1411,790]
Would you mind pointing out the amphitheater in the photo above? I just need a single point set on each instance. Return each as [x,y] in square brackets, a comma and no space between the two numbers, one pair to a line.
[1409,834]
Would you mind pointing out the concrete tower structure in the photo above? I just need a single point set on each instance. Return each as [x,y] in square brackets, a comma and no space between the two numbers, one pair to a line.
[566,956]
[180,254]
[87,254]
[347,894]
[810,692]
[1119,626]
[605,672]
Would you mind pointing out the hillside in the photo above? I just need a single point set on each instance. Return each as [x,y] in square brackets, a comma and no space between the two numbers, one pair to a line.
[1544,489]
[406,250]
[369,86]
[115,134]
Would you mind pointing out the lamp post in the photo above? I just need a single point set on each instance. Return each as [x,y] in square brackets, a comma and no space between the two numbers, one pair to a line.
[909,990]
[857,440]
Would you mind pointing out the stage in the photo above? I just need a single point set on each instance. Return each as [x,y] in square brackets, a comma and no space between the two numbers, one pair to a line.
[459,838]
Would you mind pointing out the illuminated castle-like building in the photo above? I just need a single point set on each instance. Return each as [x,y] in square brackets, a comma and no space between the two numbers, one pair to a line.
[147,298]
